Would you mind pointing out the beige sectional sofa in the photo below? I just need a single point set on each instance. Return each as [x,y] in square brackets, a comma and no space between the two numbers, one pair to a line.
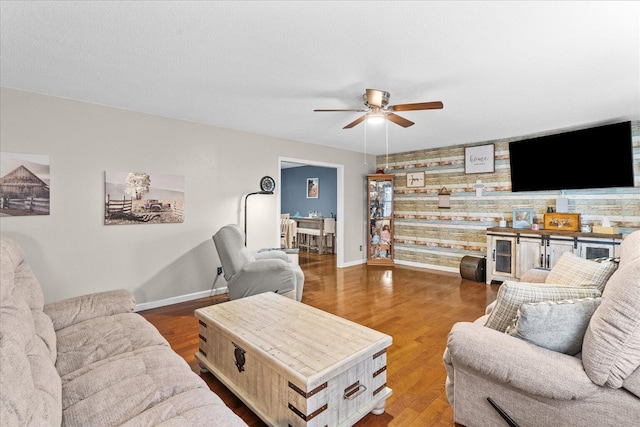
[566,357]
[90,361]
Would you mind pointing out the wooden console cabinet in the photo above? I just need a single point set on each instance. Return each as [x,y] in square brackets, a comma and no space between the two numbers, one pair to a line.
[513,251]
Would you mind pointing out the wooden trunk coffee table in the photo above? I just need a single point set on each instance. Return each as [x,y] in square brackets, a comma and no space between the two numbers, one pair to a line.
[293,364]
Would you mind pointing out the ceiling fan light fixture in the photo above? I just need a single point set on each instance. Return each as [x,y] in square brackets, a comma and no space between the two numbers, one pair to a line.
[375,119]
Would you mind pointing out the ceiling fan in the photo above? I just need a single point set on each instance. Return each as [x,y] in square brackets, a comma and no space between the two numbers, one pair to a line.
[377,102]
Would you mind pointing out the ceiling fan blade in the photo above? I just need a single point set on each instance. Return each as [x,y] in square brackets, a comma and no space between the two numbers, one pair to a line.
[377,98]
[359,111]
[399,120]
[436,105]
[355,122]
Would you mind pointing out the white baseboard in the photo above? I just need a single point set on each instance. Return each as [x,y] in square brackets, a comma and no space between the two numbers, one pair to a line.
[409,264]
[179,298]
[428,266]
[352,263]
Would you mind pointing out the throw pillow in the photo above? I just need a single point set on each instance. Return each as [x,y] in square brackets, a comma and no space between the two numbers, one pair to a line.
[512,295]
[575,271]
[555,325]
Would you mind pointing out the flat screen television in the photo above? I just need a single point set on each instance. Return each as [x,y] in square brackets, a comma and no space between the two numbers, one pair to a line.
[596,157]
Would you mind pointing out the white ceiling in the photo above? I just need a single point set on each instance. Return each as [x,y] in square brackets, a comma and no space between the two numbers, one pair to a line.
[502,69]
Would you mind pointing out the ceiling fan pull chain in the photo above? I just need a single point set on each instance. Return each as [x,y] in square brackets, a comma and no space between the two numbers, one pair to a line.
[387,139]
[365,142]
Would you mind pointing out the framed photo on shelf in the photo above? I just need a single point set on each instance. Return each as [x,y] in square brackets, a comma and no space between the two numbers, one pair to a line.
[313,188]
[415,179]
[562,221]
[479,159]
[523,218]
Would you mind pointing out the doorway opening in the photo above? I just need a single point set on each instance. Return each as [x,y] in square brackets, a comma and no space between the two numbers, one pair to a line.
[288,162]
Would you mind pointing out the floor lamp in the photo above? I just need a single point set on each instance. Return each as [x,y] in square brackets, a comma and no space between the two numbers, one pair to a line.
[245,211]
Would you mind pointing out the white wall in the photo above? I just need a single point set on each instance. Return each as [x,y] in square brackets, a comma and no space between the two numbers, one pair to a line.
[71,250]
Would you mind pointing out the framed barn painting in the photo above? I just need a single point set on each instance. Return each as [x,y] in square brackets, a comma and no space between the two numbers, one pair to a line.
[24,184]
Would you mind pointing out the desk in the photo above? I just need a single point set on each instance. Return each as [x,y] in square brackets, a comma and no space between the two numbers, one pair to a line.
[310,227]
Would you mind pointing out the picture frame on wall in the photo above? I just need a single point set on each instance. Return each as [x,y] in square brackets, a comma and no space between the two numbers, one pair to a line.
[444,198]
[313,188]
[24,184]
[415,179]
[479,159]
[134,197]
[523,218]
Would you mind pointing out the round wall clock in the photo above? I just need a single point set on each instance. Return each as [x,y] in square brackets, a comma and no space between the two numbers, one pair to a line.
[267,184]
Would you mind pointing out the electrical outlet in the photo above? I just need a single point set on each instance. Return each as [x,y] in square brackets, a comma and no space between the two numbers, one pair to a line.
[219,271]
[360,248]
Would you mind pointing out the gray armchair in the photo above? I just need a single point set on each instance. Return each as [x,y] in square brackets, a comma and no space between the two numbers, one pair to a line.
[250,273]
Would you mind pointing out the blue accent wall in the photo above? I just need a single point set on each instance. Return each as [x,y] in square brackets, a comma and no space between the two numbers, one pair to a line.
[294,190]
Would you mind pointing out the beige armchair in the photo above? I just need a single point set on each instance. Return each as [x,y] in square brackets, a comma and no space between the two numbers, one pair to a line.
[553,353]
[249,273]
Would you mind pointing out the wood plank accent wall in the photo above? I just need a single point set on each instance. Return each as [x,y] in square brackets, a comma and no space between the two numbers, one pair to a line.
[428,236]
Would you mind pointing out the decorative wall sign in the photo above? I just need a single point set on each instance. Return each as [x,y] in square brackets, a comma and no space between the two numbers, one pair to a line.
[479,159]
[523,218]
[562,221]
[444,198]
[24,184]
[415,179]
[313,188]
[143,198]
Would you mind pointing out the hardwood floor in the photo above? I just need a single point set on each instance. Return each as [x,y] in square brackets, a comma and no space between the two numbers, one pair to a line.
[417,307]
